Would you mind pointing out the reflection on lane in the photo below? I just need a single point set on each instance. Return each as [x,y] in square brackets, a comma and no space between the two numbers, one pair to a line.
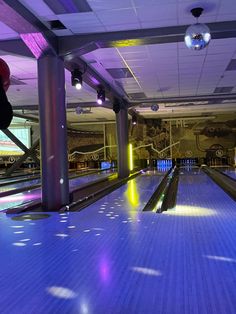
[135,193]
[29,182]
[198,195]
[18,199]
[231,173]
[24,197]
[104,258]
[75,183]
[105,240]
[19,185]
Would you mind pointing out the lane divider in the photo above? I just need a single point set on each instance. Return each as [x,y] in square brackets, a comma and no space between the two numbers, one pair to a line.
[226,183]
[164,197]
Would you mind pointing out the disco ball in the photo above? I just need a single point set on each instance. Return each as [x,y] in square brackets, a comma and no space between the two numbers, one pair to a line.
[154,107]
[197,36]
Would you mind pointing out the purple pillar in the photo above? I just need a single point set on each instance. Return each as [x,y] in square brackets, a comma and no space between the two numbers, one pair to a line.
[53,132]
[122,142]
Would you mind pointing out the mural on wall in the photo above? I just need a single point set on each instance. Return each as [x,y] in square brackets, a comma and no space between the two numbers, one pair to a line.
[87,145]
[156,138]
[183,138]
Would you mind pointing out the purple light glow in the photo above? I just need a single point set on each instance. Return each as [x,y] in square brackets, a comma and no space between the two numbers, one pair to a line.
[36,43]
[104,270]
[99,101]
[18,199]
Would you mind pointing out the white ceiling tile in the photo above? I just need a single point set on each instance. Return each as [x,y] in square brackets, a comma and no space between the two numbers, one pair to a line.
[142,3]
[227,7]
[220,49]
[63,32]
[209,14]
[121,27]
[117,17]
[77,20]
[128,56]
[130,49]
[101,5]
[38,7]
[158,23]
[88,29]
[226,17]
[157,12]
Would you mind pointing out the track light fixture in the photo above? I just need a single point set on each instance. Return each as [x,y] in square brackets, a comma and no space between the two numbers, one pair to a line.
[198,35]
[76,79]
[101,96]
[134,120]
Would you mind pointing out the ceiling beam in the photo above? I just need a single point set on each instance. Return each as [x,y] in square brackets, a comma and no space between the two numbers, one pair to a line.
[89,104]
[92,78]
[92,122]
[33,32]
[40,40]
[15,47]
[216,97]
[82,44]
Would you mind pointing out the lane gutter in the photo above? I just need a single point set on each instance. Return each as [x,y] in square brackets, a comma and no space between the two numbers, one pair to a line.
[225,182]
[164,197]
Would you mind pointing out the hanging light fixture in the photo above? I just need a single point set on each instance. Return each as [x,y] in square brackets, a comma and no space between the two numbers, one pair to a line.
[76,79]
[101,96]
[134,119]
[198,35]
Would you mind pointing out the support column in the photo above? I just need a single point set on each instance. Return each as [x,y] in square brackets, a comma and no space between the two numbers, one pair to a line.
[53,133]
[122,142]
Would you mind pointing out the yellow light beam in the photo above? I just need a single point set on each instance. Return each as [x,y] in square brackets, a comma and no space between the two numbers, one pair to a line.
[131,163]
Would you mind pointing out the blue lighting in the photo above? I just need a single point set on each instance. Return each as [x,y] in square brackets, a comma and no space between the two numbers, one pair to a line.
[105,165]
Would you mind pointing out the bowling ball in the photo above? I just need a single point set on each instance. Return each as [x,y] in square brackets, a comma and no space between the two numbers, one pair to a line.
[4,74]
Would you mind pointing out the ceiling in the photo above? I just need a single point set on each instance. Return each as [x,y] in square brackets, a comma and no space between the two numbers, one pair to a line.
[134,48]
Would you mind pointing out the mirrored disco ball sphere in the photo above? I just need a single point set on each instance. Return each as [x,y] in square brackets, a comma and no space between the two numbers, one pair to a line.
[197,36]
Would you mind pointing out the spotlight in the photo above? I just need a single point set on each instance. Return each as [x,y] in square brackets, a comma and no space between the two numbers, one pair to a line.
[76,79]
[134,120]
[100,96]
[154,107]
[197,36]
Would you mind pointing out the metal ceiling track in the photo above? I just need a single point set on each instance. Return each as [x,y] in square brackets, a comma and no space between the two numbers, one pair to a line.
[218,97]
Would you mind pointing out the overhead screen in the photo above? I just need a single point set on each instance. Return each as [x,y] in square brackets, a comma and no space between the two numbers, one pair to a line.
[7,147]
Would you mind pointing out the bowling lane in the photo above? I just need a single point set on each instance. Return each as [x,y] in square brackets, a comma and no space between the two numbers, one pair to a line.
[32,195]
[196,189]
[202,231]
[13,179]
[231,173]
[112,258]
[76,182]
[12,187]
[83,262]
[73,183]
[133,195]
